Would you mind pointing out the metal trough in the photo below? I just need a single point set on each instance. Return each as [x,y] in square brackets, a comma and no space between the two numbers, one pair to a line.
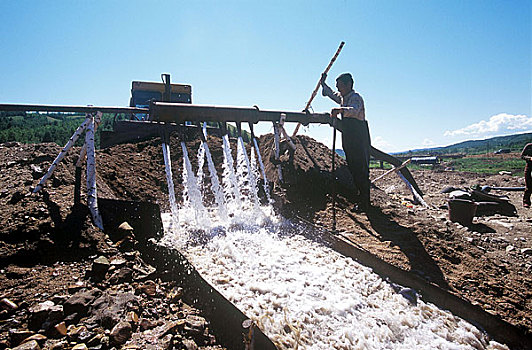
[496,328]
[230,326]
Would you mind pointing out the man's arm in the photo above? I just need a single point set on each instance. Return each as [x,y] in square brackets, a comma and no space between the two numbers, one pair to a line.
[327,91]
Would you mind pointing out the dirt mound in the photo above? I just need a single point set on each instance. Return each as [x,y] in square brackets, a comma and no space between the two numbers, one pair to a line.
[488,263]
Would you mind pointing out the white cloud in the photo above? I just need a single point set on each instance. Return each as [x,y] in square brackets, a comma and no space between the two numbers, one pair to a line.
[380,143]
[497,124]
[428,142]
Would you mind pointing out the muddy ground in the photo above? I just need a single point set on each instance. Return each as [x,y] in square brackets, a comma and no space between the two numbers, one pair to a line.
[46,247]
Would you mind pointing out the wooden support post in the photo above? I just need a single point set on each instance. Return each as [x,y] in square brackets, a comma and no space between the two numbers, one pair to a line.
[92,196]
[418,199]
[285,135]
[333,173]
[377,154]
[62,154]
[277,150]
[393,169]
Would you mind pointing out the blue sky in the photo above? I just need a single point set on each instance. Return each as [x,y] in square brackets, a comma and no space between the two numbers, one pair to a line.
[431,72]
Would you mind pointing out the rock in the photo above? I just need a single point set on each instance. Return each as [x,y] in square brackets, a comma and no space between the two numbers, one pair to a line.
[31,345]
[149,288]
[190,344]
[17,336]
[509,248]
[60,299]
[7,304]
[125,227]
[96,340]
[132,317]
[170,327]
[100,266]
[80,347]
[44,314]
[76,287]
[78,334]
[166,342]
[125,274]
[143,271]
[120,333]
[175,294]
[60,345]
[196,322]
[80,302]
[39,338]
[146,324]
[36,171]
[526,251]
[118,262]
[61,329]
[109,308]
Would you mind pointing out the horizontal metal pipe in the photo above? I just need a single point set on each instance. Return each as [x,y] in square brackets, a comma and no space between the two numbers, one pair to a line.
[181,112]
[79,109]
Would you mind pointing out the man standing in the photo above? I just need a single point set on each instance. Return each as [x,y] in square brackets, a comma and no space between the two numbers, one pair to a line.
[355,133]
[527,156]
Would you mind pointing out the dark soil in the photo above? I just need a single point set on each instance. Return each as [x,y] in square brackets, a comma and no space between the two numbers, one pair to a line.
[46,245]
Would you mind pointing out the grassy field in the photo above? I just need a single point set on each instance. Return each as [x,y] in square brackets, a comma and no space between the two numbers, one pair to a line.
[489,164]
[481,164]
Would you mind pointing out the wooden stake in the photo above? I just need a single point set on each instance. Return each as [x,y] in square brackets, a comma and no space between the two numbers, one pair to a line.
[283,131]
[62,154]
[277,150]
[318,85]
[416,195]
[333,171]
[394,169]
[92,196]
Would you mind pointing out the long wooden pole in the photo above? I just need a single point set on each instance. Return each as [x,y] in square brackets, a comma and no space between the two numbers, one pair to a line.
[62,154]
[319,83]
[92,196]
[405,163]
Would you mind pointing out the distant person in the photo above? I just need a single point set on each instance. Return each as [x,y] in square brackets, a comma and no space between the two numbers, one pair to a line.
[527,156]
[355,133]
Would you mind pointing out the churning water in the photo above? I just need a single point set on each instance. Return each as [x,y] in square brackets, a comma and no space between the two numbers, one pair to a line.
[301,293]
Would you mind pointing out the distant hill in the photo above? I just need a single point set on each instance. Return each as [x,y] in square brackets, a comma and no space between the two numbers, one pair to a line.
[514,143]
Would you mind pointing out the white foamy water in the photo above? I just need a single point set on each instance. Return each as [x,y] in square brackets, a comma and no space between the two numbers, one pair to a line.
[193,208]
[303,295]
[307,296]
[170,183]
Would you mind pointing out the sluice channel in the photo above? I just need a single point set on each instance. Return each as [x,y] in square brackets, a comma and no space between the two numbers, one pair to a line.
[298,291]
[261,280]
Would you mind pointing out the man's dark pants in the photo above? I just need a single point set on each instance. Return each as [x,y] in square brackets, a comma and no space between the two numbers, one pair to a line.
[528,182]
[356,145]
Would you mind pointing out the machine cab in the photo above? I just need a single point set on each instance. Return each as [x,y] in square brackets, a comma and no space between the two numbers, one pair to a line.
[142,93]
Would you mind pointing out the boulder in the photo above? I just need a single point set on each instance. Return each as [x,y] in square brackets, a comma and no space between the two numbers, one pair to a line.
[109,308]
[80,302]
[120,333]
[31,345]
[44,315]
